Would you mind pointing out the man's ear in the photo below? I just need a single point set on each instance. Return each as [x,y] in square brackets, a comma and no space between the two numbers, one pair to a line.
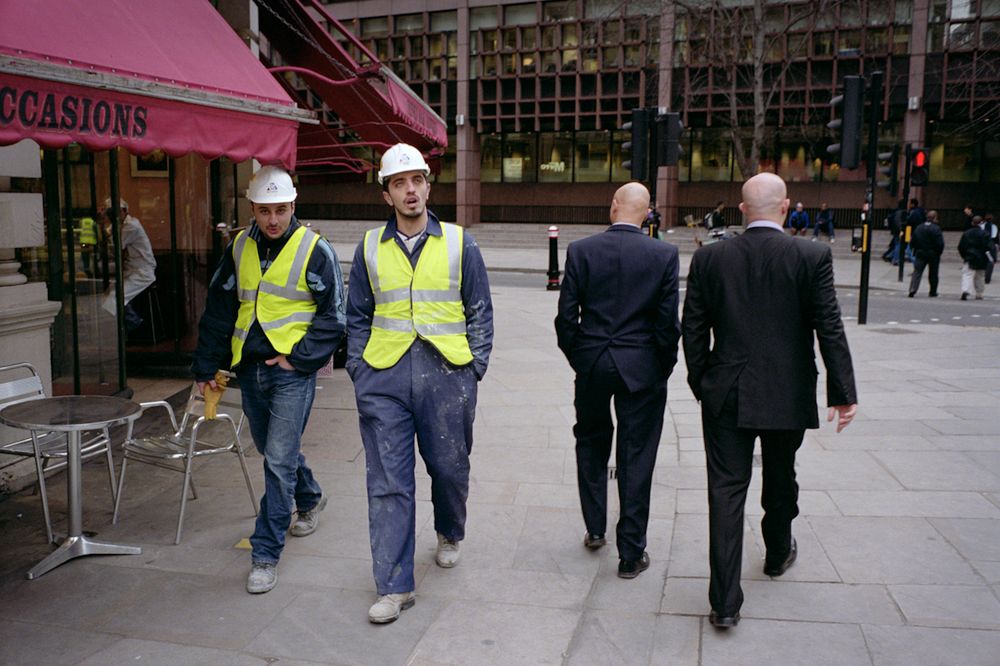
[388,199]
[743,208]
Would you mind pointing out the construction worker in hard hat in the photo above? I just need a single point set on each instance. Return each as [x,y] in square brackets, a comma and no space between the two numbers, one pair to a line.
[138,262]
[420,332]
[88,245]
[274,314]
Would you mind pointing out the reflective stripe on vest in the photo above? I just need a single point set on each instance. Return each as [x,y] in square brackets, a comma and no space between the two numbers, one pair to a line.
[423,301]
[279,298]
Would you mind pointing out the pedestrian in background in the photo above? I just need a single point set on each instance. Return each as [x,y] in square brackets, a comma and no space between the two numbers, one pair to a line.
[993,246]
[618,327]
[798,221]
[824,223]
[928,244]
[974,248]
[714,219]
[275,314]
[895,224]
[420,331]
[138,263]
[752,309]
[967,215]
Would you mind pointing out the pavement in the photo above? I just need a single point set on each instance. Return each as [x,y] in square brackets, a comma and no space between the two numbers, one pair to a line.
[899,532]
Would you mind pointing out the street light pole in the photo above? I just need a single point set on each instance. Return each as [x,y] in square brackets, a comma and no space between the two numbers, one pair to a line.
[875,116]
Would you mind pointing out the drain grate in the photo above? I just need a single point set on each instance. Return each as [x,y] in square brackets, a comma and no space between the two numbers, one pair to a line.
[894,331]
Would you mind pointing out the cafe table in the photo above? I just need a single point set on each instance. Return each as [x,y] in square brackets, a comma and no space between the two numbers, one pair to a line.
[72,414]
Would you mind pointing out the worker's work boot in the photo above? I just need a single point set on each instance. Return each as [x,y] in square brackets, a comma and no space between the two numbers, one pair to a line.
[447,552]
[306,522]
[389,606]
[263,577]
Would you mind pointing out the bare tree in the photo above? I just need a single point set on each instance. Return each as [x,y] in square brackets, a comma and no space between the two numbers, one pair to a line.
[748,59]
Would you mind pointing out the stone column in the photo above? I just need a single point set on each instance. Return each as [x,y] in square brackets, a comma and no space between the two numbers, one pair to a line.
[467,189]
[26,314]
[666,184]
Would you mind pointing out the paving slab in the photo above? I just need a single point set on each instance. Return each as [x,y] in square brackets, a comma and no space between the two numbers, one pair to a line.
[924,646]
[784,642]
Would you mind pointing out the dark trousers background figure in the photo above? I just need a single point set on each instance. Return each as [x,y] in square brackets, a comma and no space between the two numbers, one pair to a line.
[640,422]
[932,262]
[729,455]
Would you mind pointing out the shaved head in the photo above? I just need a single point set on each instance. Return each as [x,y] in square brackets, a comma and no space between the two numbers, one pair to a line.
[765,198]
[630,204]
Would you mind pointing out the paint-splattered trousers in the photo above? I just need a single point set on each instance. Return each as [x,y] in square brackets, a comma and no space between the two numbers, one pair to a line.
[423,397]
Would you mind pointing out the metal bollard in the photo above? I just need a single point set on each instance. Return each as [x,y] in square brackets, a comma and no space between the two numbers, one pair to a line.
[553,284]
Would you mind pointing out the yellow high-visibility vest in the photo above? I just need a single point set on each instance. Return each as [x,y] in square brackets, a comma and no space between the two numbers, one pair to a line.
[423,301]
[279,298]
[88,231]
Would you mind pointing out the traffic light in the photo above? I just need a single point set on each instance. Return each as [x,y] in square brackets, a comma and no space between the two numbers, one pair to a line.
[638,147]
[920,167]
[889,166]
[848,126]
[668,139]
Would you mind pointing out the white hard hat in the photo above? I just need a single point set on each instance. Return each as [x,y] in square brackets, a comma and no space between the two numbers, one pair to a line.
[271,185]
[401,158]
[121,203]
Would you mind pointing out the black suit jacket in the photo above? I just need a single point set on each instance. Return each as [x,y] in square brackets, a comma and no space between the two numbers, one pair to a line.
[762,296]
[927,240]
[620,293]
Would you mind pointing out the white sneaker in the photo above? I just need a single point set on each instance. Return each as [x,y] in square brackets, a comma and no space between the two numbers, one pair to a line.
[447,552]
[263,578]
[389,606]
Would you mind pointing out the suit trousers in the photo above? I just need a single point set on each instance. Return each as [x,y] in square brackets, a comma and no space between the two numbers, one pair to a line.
[932,263]
[729,455]
[640,422]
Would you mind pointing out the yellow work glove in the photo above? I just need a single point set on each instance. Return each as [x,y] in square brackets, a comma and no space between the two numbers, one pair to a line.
[212,396]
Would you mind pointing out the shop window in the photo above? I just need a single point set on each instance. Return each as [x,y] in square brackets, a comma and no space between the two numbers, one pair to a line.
[444,21]
[593,157]
[711,155]
[619,174]
[954,156]
[519,158]
[410,23]
[556,158]
[375,27]
[520,14]
[490,162]
[483,18]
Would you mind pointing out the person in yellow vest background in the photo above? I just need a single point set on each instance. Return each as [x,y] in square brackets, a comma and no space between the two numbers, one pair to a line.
[420,332]
[275,314]
[88,246]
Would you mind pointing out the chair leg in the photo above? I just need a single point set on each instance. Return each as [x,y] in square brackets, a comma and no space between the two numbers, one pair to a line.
[184,492]
[40,469]
[121,490]
[246,475]
[111,470]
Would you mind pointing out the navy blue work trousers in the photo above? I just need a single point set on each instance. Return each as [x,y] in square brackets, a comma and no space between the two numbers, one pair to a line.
[423,397]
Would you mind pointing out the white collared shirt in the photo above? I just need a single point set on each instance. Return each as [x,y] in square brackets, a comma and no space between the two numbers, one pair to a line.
[765,224]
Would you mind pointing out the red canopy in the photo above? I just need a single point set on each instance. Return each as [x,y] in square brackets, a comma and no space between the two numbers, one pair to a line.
[170,75]
[369,99]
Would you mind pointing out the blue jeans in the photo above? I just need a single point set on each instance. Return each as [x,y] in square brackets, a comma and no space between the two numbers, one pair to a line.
[277,404]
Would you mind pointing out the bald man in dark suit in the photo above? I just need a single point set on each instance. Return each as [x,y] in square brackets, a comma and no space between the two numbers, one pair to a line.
[753,308]
[618,326]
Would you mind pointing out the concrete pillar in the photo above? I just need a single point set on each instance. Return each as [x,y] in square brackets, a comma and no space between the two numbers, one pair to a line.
[915,120]
[467,187]
[26,314]
[666,184]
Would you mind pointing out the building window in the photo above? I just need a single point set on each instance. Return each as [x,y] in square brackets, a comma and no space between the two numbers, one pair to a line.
[490,148]
[593,157]
[483,18]
[711,155]
[444,21]
[559,10]
[556,157]
[410,23]
[519,158]
[520,14]
[954,155]
[619,174]
[375,27]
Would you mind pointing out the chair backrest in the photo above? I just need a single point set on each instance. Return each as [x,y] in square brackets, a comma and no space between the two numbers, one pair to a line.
[16,387]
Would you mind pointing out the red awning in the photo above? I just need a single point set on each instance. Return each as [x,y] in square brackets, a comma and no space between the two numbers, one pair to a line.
[369,99]
[169,75]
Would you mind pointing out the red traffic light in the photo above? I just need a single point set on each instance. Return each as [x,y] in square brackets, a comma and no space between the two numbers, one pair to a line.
[920,159]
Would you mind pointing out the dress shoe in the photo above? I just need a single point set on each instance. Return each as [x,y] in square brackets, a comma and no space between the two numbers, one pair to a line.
[933,295]
[965,296]
[776,569]
[632,568]
[723,621]
[912,294]
[594,541]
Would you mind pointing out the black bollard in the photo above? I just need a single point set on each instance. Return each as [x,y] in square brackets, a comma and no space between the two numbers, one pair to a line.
[553,284]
